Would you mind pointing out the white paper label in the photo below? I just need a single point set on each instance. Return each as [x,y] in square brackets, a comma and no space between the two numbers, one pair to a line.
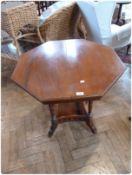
[82,81]
[79,93]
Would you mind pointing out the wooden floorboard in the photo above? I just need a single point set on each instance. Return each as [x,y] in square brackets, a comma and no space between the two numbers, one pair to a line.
[73,148]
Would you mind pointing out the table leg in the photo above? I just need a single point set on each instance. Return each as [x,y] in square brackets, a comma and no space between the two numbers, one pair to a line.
[54,121]
[89,121]
[84,110]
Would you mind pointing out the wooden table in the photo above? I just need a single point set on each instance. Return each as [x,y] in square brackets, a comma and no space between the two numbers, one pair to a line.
[68,75]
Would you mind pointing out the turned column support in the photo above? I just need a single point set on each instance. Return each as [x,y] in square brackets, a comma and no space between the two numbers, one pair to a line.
[54,122]
[83,113]
[88,109]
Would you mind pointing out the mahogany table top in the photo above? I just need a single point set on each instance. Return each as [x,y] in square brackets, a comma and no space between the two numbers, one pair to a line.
[68,70]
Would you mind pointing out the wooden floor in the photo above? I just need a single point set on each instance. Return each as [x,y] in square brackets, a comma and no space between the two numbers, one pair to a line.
[73,148]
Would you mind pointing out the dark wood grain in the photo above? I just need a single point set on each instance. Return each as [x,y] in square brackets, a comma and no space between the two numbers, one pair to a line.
[52,72]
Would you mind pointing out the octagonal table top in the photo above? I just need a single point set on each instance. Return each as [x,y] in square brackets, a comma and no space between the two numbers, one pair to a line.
[68,70]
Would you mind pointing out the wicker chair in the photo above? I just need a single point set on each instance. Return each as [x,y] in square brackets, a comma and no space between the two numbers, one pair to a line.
[61,24]
[14,19]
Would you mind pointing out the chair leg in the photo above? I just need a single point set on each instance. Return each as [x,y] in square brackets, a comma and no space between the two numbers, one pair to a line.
[17,47]
[128,47]
[39,35]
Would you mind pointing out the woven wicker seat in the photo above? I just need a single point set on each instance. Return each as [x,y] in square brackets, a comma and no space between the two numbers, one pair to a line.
[14,19]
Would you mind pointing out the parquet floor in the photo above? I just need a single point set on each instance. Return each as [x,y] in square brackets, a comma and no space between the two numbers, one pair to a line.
[73,148]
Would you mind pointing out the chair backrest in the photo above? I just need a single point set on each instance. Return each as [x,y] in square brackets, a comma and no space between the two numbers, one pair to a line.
[61,23]
[98,17]
[13,19]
